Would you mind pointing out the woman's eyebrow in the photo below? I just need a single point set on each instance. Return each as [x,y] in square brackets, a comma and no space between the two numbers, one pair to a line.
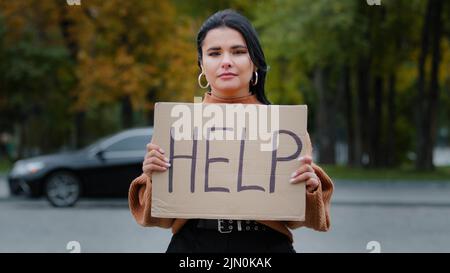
[219,48]
[238,46]
[214,48]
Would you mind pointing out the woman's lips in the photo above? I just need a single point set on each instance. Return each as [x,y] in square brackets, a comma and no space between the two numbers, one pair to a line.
[227,76]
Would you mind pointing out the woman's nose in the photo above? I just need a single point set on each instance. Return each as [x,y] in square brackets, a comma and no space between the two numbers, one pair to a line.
[226,61]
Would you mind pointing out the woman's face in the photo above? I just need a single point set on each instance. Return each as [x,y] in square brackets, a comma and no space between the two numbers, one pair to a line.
[226,62]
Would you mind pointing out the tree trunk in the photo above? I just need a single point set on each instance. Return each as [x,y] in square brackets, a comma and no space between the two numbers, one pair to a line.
[22,139]
[433,106]
[80,135]
[151,97]
[71,43]
[427,100]
[349,114]
[390,153]
[421,98]
[326,135]
[363,118]
[375,128]
[127,112]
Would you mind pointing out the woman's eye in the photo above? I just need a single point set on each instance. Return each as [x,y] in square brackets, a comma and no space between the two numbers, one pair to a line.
[238,52]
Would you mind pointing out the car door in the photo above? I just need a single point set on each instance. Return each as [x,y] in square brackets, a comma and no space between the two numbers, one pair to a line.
[118,164]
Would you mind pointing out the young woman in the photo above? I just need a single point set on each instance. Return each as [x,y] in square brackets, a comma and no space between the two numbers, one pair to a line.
[231,59]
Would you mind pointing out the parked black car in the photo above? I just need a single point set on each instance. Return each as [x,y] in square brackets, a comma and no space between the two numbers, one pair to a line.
[104,168]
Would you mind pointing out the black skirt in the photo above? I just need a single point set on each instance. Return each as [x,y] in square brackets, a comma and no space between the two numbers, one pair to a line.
[197,237]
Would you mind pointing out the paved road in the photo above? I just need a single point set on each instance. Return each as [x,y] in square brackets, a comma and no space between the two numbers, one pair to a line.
[400,217]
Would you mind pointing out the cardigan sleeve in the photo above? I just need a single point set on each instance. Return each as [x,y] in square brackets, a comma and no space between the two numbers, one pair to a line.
[317,214]
[140,203]
[317,204]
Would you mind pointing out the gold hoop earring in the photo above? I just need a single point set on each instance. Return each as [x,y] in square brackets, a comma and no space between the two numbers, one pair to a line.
[200,81]
[256,78]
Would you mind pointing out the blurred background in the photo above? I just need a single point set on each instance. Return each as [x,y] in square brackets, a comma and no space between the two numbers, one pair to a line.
[375,75]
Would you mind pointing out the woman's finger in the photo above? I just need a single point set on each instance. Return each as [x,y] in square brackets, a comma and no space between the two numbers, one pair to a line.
[303,177]
[153,164]
[302,169]
[156,161]
[152,146]
[155,153]
[312,184]
[305,159]
[148,169]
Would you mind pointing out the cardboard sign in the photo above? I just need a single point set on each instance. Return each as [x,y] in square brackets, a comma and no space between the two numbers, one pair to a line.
[230,161]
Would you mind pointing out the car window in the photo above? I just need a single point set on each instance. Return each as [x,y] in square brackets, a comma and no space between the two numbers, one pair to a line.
[134,143]
[96,143]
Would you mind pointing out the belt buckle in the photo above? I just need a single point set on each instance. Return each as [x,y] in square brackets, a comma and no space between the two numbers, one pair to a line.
[219,227]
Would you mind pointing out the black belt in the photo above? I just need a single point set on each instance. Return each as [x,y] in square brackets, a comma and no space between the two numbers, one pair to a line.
[227,226]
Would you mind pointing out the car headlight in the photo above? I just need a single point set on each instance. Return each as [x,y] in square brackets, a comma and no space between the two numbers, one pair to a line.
[21,168]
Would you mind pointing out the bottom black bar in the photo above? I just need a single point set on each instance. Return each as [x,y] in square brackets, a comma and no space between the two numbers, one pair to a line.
[221,262]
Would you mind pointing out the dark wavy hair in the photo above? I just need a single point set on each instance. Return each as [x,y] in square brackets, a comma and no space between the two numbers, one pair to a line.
[232,19]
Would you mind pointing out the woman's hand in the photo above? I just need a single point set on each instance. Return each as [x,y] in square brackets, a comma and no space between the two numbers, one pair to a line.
[154,160]
[306,173]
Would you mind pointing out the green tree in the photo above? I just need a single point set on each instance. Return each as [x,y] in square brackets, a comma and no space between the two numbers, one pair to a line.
[35,76]
[428,97]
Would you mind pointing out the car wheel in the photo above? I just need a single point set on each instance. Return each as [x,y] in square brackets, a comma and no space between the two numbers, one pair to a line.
[62,189]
